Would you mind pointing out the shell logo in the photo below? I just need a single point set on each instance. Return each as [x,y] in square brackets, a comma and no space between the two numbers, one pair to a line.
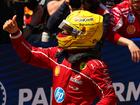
[57,70]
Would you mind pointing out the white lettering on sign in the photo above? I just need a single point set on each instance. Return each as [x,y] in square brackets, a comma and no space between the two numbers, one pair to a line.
[26,95]
[132,92]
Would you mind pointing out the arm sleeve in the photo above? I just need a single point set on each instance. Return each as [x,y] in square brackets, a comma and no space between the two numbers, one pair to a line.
[56,18]
[115,24]
[103,81]
[36,56]
[113,37]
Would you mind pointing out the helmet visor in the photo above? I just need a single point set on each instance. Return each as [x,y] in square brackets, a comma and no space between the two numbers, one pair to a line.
[64,25]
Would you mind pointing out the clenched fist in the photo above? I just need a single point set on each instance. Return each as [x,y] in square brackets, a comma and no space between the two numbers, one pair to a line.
[11,25]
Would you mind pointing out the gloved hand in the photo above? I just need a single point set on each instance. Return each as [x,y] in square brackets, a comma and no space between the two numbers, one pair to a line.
[11,25]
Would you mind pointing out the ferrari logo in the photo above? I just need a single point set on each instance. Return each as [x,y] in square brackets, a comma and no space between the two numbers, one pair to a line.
[83,65]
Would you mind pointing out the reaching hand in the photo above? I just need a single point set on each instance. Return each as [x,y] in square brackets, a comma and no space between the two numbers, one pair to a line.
[11,25]
[135,52]
[133,48]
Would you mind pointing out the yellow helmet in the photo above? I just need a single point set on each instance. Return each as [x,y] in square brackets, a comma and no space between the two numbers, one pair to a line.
[84,29]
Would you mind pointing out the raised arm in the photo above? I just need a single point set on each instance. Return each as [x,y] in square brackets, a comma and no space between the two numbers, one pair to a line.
[28,53]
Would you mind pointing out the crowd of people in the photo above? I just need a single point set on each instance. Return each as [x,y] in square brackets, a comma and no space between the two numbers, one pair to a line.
[71,33]
[43,22]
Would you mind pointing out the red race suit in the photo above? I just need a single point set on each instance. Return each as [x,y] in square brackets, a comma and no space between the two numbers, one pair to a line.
[71,86]
[124,22]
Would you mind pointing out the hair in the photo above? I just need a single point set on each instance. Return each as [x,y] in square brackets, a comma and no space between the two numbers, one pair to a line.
[32,4]
[75,3]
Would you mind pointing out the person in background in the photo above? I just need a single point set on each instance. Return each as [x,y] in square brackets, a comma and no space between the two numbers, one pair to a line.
[33,31]
[27,16]
[36,32]
[70,5]
[53,5]
[126,25]
[79,75]
[61,13]
[110,3]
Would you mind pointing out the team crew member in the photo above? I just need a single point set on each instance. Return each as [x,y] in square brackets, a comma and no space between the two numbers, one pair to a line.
[79,76]
[126,25]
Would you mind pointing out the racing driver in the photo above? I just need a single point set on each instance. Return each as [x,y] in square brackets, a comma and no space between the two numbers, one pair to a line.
[126,25]
[79,75]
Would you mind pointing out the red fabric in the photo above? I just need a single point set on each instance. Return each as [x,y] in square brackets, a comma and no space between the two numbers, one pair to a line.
[124,28]
[16,33]
[113,37]
[27,20]
[71,85]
